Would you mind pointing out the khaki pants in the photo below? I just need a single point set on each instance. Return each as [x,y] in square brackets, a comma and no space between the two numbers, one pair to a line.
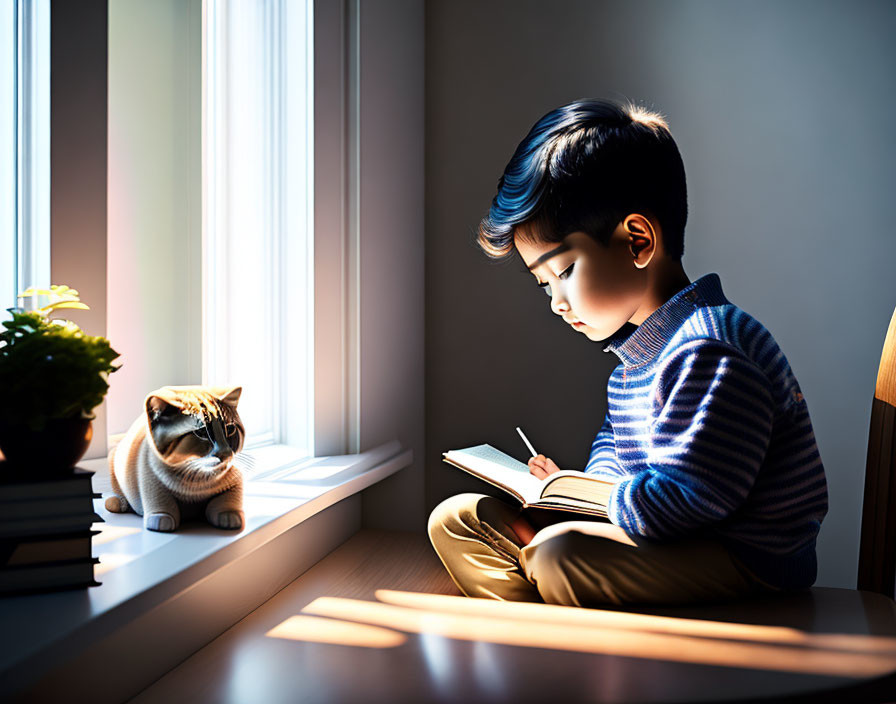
[576,562]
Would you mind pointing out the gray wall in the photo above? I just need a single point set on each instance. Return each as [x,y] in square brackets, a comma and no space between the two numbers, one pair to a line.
[782,113]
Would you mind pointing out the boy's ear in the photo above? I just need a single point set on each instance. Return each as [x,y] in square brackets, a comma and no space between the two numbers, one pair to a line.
[642,239]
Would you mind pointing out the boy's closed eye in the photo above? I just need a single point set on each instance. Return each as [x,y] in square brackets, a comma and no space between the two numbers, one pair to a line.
[563,275]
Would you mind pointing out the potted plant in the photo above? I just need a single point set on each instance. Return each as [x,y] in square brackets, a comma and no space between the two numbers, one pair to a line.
[52,376]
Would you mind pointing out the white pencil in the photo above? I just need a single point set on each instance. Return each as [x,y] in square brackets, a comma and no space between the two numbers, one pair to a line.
[526,440]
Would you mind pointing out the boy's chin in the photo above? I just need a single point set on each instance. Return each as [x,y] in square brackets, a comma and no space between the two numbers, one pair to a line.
[597,334]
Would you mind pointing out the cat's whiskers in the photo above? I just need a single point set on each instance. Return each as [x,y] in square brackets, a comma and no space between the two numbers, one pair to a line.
[246,458]
[244,462]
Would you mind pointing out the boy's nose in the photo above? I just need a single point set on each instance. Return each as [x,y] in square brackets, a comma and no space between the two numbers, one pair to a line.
[559,304]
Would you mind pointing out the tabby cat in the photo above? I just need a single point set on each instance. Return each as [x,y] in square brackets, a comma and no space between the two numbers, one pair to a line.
[179,456]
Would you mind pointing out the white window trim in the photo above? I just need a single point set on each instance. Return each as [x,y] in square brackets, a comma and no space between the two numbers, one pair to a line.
[34,142]
[25,226]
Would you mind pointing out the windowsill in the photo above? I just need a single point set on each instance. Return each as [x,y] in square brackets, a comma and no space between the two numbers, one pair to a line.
[140,569]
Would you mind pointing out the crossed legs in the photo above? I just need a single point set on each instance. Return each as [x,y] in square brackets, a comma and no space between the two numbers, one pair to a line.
[575,562]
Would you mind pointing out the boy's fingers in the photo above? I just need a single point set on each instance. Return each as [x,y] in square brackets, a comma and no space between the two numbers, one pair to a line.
[537,471]
[539,466]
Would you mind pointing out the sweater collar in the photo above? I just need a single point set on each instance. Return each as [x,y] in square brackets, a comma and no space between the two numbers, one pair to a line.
[637,344]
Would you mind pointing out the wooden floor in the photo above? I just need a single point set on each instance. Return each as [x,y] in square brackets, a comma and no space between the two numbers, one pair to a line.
[379,621]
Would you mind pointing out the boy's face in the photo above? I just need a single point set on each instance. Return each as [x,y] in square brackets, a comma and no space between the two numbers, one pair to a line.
[596,289]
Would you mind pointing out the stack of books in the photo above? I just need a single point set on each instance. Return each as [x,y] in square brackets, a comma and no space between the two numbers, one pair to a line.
[45,532]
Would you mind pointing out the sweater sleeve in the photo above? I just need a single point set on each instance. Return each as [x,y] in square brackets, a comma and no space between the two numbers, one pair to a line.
[709,434]
[603,462]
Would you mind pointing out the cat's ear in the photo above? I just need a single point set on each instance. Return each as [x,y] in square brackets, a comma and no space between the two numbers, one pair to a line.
[228,396]
[164,417]
[155,406]
[160,400]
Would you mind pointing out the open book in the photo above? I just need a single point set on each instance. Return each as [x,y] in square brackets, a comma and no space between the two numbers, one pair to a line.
[564,490]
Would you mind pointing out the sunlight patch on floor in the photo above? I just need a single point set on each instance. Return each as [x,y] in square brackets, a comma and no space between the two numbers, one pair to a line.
[642,622]
[344,621]
[325,630]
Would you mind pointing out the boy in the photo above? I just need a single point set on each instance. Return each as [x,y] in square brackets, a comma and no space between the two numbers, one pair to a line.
[719,488]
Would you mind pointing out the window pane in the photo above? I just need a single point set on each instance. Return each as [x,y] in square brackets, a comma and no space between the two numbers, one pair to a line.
[239,279]
[257,277]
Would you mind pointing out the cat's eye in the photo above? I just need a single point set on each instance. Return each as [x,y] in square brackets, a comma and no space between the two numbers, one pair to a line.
[230,429]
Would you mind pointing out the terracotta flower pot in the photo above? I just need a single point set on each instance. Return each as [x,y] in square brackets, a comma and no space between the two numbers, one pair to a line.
[54,450]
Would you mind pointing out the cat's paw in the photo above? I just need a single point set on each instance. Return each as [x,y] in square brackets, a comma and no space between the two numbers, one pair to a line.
[231,520]
[163,522]
[117,504]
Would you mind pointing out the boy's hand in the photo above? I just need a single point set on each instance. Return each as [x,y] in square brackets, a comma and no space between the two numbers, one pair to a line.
[542,466]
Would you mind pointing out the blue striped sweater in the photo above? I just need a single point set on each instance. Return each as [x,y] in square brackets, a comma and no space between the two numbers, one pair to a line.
[707,433]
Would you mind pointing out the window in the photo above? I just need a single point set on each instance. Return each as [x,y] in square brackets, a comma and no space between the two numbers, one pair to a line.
[232,248]
[210,265]
[25,144]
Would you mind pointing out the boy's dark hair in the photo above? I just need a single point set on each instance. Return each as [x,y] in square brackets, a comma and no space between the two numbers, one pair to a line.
[584,167]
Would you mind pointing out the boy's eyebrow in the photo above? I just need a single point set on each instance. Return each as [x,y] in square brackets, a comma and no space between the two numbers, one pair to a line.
[562,247]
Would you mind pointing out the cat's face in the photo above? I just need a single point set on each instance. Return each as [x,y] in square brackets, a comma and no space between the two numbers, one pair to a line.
[195,427]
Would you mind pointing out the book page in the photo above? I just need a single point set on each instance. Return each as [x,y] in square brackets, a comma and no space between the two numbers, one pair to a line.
[577,485]
[498,468]
[562,503]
